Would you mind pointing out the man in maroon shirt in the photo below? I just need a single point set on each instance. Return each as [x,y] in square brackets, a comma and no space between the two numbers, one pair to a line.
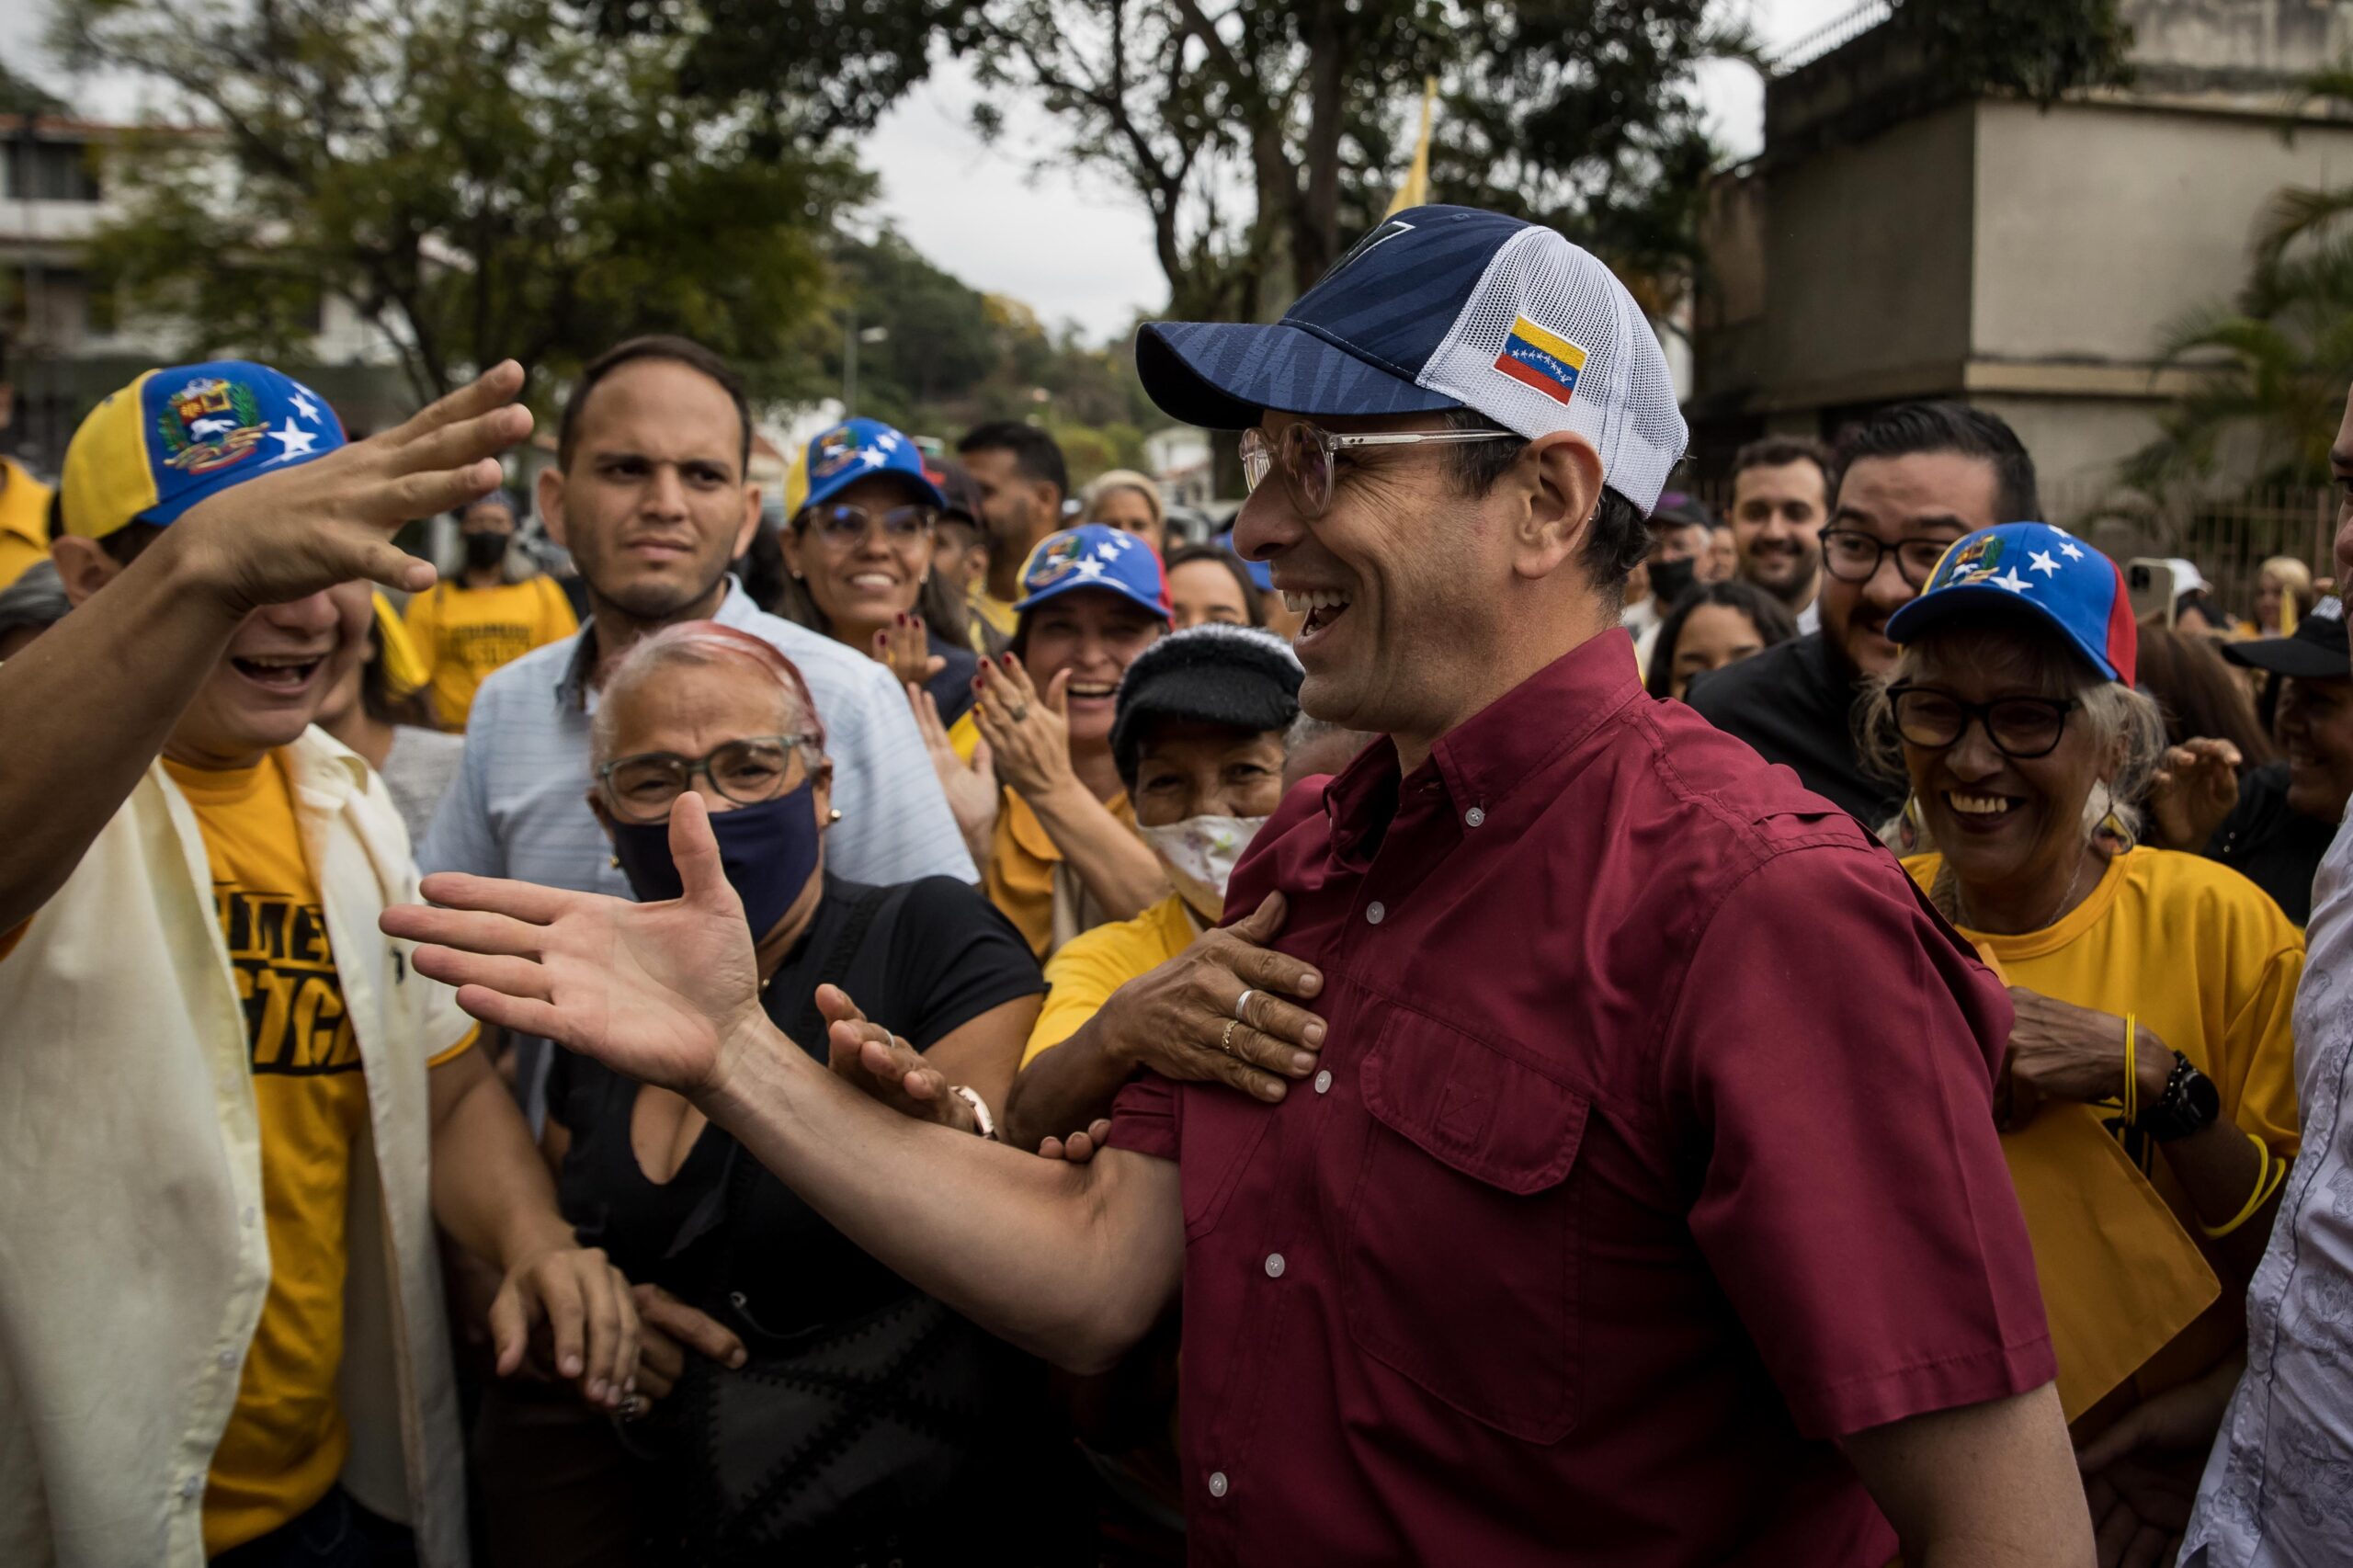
[1643,1205]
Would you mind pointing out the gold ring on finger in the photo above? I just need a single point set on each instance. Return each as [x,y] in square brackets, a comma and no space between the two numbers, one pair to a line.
[1225,1042]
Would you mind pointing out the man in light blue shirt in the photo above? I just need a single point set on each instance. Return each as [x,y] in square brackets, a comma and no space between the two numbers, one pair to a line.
[649,493]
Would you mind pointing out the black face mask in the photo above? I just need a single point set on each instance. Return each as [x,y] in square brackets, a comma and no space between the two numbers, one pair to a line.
[1670,580]
[484,550]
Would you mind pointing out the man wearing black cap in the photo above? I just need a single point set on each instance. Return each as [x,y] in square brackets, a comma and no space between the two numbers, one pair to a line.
[2288,810]
[1613,1226]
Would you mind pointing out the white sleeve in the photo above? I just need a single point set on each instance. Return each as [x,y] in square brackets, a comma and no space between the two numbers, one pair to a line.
[895,825]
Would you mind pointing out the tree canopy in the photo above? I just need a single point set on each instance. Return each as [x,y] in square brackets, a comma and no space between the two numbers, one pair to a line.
[478,178]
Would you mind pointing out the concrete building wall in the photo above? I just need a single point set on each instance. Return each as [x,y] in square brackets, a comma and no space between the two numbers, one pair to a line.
[2099,223]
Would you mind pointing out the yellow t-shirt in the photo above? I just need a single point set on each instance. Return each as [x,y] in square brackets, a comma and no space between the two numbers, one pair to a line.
[1019,876]
[2208,964]
[1082,975]
[24,520]
[286,1440]
[996,613]
[465,634]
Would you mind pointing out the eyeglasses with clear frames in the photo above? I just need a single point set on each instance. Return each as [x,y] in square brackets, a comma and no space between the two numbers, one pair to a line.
[643,787]
[1305,454]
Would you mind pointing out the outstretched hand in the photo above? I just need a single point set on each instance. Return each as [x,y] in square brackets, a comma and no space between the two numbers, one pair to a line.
[2192,792]
[1027,730]
[905,646]
[287,535]
[970,789]
[667,993]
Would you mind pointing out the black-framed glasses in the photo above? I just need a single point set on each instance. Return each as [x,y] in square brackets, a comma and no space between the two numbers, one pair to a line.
[841,523]
[2022,728]
[642,787]
[1306,454]
[1853,556]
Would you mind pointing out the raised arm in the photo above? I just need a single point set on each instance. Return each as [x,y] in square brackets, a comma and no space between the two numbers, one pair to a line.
[1071,1263]
[94,699]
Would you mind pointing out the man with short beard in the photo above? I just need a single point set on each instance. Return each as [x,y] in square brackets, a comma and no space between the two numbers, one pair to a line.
[1780,498]
[1911,480]
[1023,482]
[649,493]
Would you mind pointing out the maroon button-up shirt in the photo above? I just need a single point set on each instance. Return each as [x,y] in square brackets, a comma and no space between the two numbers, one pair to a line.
[1655,1151]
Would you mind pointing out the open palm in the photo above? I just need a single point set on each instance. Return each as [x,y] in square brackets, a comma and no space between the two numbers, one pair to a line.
[661,992]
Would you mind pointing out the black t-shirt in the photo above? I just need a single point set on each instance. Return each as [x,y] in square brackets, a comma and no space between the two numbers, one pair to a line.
[934,956]
[1793,704]
[2271,844]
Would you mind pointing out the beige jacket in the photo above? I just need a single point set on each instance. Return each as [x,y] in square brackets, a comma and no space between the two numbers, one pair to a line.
[132,1257]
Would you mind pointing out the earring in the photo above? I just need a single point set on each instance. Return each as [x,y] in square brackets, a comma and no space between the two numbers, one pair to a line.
[616,862]
[1907,834]
[833,816]
[2113,826]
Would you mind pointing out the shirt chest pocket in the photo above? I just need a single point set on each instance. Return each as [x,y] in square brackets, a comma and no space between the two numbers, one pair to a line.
[1460,1259]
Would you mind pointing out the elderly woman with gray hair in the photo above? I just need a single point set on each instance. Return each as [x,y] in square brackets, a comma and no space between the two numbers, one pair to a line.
[806,1403]
[2148,1097]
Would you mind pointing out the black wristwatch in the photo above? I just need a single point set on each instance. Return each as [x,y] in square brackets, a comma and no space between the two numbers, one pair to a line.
[2190,1104]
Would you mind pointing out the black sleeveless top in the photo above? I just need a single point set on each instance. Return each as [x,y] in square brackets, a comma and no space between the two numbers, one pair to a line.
[934,956]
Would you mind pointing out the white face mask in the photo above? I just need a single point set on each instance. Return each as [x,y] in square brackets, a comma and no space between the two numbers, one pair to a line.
[1199,855]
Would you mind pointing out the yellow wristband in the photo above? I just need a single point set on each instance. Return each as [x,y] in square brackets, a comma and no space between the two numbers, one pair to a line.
[2267,1181]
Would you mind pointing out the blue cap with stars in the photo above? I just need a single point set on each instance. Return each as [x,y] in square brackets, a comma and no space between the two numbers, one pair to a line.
[856,449]
[175,435]
[2031,569]
[1095,556]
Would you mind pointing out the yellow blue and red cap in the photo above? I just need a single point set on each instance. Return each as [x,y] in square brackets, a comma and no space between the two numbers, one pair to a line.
[2035,570]
[1095,556]
[175,435]
[857,449]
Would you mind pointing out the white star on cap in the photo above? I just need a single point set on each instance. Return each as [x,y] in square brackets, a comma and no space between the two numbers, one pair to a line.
[2012,581]
[2071,551]
[1109,551]
[2041,561]
[1090,568]
[305,406]
[873,457]
[296,440]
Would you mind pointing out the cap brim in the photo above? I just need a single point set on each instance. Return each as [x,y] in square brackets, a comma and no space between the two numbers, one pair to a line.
[1974,600]
[1100,585]
[919,485]
[1224,375]
[2297,656]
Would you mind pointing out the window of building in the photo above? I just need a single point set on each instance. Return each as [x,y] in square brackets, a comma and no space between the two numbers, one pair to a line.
[50,171]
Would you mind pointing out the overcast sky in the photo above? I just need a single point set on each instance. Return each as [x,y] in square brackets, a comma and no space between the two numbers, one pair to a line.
[1068,244]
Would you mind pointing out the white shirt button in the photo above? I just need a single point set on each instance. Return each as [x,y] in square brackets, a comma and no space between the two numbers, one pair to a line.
[1323,1082]
[227,1359]
[1374,912]
[1475,817]
[250,1215]
[1217,1484]
[1274,1265]
[190,1486]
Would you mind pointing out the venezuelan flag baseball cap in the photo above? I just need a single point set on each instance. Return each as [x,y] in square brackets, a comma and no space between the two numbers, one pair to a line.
[1095,556]
[174,436]
[2034,570]
[1440,308]
[857,449]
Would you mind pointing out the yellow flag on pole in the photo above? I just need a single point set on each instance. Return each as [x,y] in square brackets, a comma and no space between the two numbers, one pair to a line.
[1416,190]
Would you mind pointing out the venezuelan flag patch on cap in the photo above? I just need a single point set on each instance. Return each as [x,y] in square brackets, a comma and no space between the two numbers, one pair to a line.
[1542,359]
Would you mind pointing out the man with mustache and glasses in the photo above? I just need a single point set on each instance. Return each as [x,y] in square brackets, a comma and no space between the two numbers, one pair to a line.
[649,493]
[1911,480]
[1606,1224]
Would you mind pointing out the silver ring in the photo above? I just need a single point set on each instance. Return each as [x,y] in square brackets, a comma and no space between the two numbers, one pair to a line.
[1242,1006]
[634,1406]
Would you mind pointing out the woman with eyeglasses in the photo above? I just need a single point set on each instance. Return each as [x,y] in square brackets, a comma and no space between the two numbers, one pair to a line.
[1028,772]
[860,531]
[795,1401]
[2148,1098]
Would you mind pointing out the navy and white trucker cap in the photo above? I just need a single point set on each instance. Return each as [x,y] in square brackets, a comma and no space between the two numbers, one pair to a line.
[1438,308]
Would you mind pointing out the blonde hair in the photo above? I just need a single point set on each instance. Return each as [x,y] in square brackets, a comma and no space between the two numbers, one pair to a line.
[2123,721]
[706,642]
[1125,478]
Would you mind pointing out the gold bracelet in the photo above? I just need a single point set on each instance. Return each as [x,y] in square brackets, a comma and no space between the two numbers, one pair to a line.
[2267,1181]
[2131,1069]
